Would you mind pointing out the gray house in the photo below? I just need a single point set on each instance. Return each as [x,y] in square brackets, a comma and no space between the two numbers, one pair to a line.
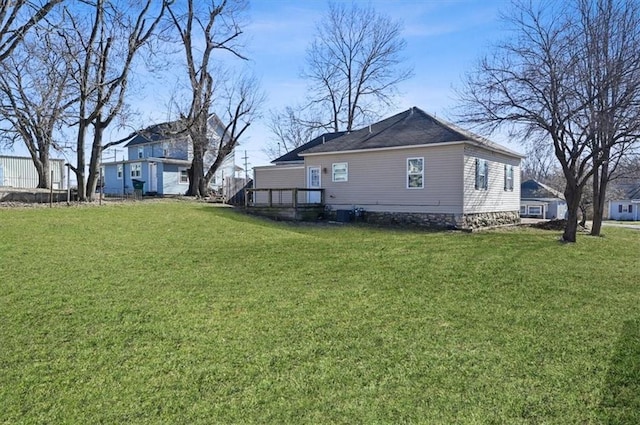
[541,201]
[411,167]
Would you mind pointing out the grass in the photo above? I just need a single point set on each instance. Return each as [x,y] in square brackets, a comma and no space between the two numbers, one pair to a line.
[178,312]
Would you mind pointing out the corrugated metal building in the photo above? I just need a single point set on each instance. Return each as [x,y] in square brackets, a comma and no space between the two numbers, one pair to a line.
[18,171]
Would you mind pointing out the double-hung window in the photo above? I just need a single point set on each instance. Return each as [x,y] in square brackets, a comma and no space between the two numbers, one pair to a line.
[340,172]
[508,177]
[482,174]
[136,169]
[119,171]
[140,152]
[415,173]
[184,176]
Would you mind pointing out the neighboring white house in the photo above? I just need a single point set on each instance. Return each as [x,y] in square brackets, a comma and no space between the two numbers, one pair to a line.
[624,210]
[19,172]
[409,168]
[541,201]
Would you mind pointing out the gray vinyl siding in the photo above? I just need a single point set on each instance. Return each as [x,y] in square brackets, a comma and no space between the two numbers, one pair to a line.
[377,180]
[170,180]
[494,198]
[278,177]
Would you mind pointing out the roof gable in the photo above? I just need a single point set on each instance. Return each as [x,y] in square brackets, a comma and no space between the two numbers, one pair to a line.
[170,131]
[532,189]
[413,127]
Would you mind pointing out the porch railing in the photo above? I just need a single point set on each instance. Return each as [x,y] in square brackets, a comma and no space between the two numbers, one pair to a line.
[284,198]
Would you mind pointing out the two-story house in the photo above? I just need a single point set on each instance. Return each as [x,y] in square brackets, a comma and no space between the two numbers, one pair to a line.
[158,160]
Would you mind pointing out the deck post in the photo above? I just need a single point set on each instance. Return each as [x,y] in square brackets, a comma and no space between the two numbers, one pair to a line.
[294,199]
[270,198]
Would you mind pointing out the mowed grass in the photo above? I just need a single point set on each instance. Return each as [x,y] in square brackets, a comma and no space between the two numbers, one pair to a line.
[177,312]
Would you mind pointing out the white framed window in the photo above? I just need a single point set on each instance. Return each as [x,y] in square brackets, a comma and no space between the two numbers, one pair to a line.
[340,172]
[535,210]
[140,152]
[508,177]
[183,178]
[136,169]
[415,173]
[119,171]
[482,174]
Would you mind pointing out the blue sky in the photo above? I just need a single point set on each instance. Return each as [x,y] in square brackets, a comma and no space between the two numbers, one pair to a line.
[444,39]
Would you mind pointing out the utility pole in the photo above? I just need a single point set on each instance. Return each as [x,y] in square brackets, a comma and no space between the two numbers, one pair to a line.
[246,168]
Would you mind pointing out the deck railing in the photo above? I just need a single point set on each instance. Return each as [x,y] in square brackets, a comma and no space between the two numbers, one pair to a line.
[284,198]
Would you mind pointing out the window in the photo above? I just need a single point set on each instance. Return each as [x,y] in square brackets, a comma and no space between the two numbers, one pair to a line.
[140,153]
[535,210]
[523,210]
[184,176]
[119,172]
[136,170]
[415,173]
[508,177]
[620,208]
[340,172]
[630,208]
[482,174]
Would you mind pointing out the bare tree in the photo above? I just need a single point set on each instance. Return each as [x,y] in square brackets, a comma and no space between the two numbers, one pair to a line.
[538,84]
[17,17]
[36,93]
[241,99]
[110,42]
[289,131]
[202,30]
[611,73]
[354,65]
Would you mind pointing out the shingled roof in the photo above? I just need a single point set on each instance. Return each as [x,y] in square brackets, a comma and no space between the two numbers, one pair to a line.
[532,189]
[413,127]
[166,130]
[293,155]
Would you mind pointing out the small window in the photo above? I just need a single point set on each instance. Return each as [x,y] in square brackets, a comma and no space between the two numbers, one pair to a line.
[119,172]
[340,172]
[508,177]
[136,170]
[535,210]
[140,153]
[630,208]
[184,176]
[415,173]
[523,210]
[482,174]
[620,208]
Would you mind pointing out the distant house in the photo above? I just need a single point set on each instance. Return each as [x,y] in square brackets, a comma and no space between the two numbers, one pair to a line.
[408,168]
[624,210]
[159,158]
[541,201]
[19,172]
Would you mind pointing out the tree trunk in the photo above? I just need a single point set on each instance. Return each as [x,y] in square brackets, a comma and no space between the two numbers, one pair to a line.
[80,162]
[600,180]
[94,162]
[196,173]
[572,194]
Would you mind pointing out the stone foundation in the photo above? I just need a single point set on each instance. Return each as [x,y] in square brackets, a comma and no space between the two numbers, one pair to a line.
[491,219]
[443,221]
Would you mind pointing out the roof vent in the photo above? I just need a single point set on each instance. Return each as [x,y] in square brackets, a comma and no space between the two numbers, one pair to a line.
[369,128]
[323,139]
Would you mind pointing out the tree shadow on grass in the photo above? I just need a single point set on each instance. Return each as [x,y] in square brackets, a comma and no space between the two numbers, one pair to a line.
[621,394]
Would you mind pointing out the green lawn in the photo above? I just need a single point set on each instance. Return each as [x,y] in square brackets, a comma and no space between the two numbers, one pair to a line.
[177,312]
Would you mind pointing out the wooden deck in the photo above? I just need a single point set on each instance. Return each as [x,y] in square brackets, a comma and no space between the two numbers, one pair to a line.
[299,204]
